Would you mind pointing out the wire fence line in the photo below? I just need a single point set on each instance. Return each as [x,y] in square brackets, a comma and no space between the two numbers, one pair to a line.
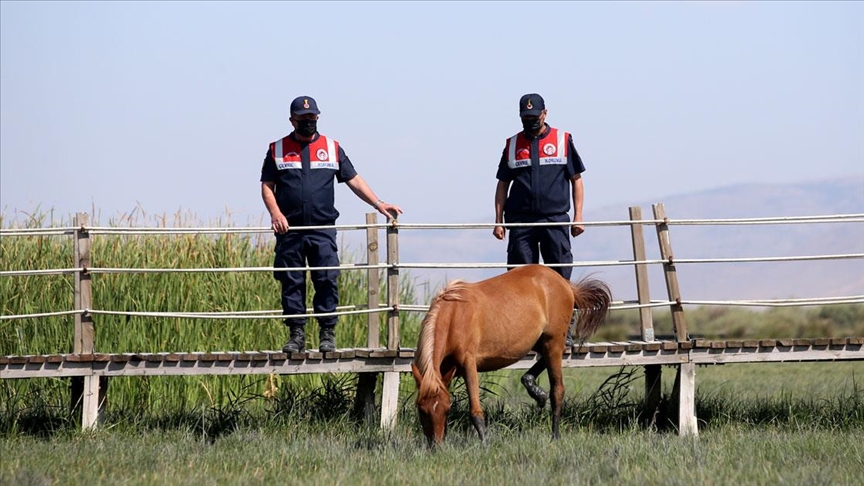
[384,266]
[112,230]
[356,310]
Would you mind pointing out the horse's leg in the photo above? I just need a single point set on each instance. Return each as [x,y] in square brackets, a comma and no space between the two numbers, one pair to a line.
[529,381]
[556,381]
[472,383]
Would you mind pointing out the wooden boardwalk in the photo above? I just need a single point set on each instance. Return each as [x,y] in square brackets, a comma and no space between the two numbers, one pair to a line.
[360,360]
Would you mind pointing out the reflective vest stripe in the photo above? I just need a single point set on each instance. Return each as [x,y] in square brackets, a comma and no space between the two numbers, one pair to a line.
[511,153]
[558,159]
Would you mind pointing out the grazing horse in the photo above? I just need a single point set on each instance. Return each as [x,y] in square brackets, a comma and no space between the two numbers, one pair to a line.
[487,325]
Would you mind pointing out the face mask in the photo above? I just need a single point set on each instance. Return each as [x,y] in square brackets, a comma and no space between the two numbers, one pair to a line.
[307,128]
[531,125]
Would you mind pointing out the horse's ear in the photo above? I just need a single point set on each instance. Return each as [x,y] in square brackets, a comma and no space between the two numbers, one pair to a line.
[416,372]
[448,377]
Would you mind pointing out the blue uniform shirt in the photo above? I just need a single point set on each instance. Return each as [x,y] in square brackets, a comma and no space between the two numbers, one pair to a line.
[307,197]
[540,189]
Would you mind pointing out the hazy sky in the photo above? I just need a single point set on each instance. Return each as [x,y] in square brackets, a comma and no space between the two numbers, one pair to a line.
[170,106]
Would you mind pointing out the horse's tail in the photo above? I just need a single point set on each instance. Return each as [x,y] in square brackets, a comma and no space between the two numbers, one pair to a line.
[593,299]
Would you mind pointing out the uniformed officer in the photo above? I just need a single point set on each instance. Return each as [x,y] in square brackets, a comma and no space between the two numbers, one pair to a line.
[542,171]
[297,189]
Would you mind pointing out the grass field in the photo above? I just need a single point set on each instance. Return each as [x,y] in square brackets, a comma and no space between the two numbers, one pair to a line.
[789,423]
[766,423]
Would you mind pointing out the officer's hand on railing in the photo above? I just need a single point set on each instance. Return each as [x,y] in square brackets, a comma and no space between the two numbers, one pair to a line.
[391,211]
[279,223]
[499,232]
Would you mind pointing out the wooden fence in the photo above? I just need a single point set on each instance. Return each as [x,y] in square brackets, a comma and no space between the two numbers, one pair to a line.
[89,368]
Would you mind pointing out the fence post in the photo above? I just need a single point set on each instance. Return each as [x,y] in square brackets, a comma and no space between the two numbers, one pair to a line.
[390,386]
[364,401]
[680,325]
[652,372]
[373,277]
[85,391]
[684,390]
[638,238]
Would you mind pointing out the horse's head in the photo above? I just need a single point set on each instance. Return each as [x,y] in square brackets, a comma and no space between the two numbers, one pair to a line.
[433,406]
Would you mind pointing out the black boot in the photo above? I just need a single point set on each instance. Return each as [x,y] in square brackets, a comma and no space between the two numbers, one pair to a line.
[327,338]
[297,343]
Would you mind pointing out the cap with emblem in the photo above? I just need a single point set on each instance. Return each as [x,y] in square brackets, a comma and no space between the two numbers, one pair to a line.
[531,105]
[303,105]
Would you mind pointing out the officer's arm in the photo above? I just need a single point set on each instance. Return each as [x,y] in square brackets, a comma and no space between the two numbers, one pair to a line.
[578,196]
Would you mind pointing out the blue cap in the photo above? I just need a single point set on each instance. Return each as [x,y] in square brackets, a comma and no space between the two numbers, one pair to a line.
[303,105]
[531,105]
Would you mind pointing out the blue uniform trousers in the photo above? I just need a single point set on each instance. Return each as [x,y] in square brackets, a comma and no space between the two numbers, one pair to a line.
[527,244]
[294,249]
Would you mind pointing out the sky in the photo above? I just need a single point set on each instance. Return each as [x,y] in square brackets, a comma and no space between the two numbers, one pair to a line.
[153,108]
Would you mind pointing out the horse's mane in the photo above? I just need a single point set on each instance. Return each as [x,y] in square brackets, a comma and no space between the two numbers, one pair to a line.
[424,356]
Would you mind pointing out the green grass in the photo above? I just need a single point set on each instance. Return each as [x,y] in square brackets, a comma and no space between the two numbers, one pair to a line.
[749,439]
[765,423]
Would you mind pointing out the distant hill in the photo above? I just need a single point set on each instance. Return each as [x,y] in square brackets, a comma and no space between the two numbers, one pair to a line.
[704,281]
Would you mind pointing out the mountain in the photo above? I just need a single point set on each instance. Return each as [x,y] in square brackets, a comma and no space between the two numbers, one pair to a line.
[697,281]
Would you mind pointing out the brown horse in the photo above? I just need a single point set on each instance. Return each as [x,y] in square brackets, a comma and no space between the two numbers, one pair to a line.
[487,325]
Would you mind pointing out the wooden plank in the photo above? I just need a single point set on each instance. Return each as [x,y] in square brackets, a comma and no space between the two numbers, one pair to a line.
[701,343]
[55,358]
[17,360]
[718,345]
[687,424]
[633,346]
[802,342]
[101,357]
[617,348]
[652,346]
[314,355]
[734,344]
[669,345]
[348,353]
[839,341]
[750,343]
[37,359]
[767,343]
[637,238]
[373,278]
[4,360]
[362,352]
[393,285]
[670,274]
[821,342]
[389,400]
[598,347]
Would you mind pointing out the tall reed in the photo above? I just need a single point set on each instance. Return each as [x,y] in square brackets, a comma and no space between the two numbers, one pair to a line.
[166,292]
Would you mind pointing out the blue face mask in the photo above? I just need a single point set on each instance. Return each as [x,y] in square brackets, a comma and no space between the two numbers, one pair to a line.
[531,125]
[307,128]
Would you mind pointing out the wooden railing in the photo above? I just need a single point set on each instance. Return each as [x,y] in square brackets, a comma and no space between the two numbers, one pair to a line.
[89,369]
